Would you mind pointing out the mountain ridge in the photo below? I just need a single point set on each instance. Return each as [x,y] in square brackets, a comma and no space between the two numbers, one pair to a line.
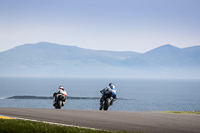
[50,59]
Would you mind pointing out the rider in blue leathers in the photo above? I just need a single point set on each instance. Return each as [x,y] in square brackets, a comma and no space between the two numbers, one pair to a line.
[109,88]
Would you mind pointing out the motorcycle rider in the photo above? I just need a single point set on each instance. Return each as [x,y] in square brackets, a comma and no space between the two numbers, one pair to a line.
[109,88]
[62,91]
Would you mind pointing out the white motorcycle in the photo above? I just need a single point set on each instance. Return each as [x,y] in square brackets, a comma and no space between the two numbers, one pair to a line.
[59,100]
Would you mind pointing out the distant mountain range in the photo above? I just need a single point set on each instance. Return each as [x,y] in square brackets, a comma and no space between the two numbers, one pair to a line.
[48,59]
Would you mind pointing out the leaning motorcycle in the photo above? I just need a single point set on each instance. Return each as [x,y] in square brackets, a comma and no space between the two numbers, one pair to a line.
[107,100]
[59,100]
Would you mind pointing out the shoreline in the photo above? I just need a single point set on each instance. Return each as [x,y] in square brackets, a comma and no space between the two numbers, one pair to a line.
[51,97]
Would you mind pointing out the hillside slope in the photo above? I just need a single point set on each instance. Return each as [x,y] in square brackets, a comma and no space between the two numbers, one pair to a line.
[48,59]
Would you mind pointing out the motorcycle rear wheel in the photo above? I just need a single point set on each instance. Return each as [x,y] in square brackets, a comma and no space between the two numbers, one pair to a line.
[106,104]
[58,104]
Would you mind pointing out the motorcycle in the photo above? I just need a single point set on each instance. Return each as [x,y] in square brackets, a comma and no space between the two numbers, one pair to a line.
[59,100]
[107,100]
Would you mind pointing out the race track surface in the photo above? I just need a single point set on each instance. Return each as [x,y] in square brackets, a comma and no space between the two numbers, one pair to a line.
[148,122]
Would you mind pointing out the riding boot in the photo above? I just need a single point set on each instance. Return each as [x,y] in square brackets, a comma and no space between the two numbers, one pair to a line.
[101,107]
[112,101]
[54,102]
[101,103]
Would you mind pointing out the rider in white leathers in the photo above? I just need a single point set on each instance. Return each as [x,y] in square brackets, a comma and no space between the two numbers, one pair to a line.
[62,91]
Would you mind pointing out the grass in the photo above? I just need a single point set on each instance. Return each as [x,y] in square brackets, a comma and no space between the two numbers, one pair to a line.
[25,126]
[181,112]
[4,117]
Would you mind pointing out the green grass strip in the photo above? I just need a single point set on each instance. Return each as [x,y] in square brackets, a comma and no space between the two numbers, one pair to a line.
[25,126]
[181,112]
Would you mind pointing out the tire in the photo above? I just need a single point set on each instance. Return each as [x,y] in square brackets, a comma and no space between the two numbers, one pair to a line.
[106,104]
[59,104]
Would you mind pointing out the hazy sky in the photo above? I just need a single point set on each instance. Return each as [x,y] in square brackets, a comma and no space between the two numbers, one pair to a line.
[118,25]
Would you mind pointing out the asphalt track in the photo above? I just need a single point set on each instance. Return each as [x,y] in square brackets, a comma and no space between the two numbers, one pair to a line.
[148,122]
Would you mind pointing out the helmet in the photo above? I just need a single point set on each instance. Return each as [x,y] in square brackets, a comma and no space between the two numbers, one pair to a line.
[60,87]
[110,84]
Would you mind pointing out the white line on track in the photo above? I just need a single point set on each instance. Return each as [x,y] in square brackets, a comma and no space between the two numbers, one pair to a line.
[56,123]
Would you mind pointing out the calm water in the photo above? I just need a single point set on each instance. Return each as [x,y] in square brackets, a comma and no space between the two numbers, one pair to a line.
[143,94]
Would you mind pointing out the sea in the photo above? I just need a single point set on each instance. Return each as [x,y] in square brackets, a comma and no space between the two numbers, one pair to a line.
[133,94]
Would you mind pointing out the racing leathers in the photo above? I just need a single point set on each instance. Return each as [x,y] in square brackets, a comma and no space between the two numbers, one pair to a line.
[110,88]
[61,91]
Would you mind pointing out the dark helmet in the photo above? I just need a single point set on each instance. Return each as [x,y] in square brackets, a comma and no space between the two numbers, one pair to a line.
[110,84]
